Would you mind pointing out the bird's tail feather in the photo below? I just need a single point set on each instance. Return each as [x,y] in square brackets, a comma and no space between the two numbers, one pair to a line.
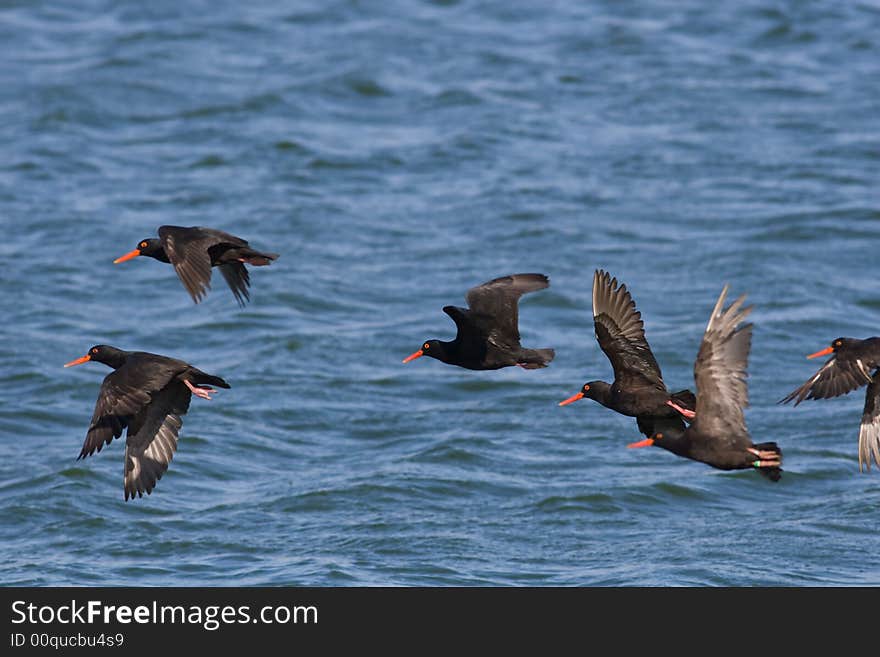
[209,379]
[257,258]
[532,359]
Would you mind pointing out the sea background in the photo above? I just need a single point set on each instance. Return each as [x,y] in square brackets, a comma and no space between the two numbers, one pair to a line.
[395,154]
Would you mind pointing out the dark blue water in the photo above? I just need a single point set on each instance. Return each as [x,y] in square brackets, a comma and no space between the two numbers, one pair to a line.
[395,154]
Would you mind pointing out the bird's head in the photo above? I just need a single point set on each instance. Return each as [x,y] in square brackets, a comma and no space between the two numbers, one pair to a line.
[836,345]
[101,353]
[596,390]
[433,348]
[150,247]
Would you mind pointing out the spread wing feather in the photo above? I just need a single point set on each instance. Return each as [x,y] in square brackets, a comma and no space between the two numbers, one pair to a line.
[720,375]
[620,333]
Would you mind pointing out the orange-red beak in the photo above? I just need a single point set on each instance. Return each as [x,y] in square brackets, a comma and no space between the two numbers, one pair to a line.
[571,399]
[78,361]
[127,256]
[824,352]
[647,442]
[418,354]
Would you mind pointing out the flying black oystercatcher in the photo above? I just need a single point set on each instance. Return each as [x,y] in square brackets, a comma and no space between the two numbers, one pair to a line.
[488,331]
[638,389]
[194,250]
[146,393]
[849,368]
[718,435]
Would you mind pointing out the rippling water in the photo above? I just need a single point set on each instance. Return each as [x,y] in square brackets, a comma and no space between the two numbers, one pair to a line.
[395,154]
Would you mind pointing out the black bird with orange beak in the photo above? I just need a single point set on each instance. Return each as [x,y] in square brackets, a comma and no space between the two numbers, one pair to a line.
[718,435]
[638,389]
[147,394]
[488,331]
[193,251]
[853,363]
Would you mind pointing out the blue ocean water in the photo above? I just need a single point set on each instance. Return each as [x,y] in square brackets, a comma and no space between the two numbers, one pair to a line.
[397,153]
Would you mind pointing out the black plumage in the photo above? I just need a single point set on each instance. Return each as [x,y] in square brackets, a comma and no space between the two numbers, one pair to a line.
[147,394]
[488,330]
[194,250]
[638,389]
[853,364]
[718,435]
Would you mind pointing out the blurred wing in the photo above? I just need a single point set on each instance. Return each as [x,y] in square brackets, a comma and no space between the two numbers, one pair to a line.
[869,431]
[720,375]
[238,280]
[838,376]
[620,333]
[152,439]
[187,249]
[498,299]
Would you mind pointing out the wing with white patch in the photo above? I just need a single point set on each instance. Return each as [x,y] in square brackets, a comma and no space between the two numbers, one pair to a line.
[838,376]
[152,439]
[869,431]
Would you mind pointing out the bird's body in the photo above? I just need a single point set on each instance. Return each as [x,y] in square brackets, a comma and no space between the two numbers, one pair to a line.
[147,394]
[195,250]
[488,330]
[638,389]
[854,363]
[718,435]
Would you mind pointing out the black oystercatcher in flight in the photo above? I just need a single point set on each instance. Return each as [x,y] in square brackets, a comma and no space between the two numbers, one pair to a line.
[638,389]
[488,331]
[855,363]
[194,250]
[148,394]
[718,435]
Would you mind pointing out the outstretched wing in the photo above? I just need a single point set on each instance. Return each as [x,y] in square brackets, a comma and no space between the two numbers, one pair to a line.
[869,431]
[720,375]
[152,439]
[187,249]
[838,376]
[620,333]
[124,394]
[497,300]
[118,402]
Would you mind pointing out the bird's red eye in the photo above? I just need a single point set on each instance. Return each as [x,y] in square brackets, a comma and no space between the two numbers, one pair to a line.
[95,350]
[143,245]
[427,346]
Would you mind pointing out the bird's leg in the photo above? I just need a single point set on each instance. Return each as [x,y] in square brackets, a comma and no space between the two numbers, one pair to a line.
[688,414]
[200,391]
[766,458]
